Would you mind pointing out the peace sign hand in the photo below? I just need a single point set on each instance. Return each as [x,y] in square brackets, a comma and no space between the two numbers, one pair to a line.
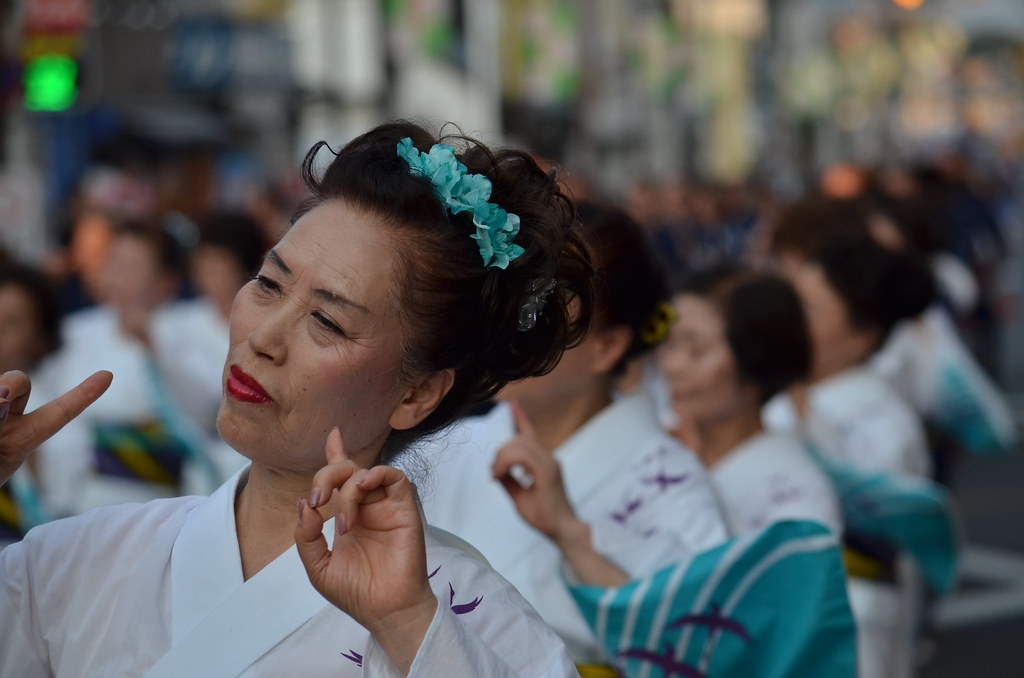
[21,433]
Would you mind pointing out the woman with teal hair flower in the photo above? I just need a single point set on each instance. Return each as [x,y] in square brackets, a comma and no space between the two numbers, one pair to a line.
[372,324]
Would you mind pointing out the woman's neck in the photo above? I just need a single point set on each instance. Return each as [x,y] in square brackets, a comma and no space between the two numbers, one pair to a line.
[265,515]
[720,438]
[554,424]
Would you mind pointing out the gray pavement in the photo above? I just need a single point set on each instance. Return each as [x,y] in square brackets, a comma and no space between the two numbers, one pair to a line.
[980,628]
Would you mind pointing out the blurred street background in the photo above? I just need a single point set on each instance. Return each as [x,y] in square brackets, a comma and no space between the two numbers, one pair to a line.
[699,114]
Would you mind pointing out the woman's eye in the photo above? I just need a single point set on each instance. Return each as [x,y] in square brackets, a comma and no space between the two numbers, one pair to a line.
[266,283]
[327,324]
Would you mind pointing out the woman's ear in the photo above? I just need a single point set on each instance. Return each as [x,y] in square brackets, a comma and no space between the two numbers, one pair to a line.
[421,399]
[610,344]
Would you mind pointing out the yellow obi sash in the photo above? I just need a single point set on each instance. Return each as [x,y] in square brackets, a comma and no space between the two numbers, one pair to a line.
[597,671]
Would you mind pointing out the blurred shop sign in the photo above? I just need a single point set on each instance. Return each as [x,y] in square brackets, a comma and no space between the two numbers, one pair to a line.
[209,55]
[57,16]
[52,41]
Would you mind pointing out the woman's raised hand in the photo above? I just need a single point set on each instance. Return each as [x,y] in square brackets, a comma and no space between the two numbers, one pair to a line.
[377,569]
[21,433]
[533,479]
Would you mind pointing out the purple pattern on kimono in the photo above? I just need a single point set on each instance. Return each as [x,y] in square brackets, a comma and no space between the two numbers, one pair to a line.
[353,657]
[464,607]
[665,481]
[713,620]
[783,492]
[631,507]
[665,661]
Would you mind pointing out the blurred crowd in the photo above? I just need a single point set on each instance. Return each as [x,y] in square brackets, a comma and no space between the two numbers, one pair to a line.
[900,275]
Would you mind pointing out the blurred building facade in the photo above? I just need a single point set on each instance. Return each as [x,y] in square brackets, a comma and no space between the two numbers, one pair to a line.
[213,99]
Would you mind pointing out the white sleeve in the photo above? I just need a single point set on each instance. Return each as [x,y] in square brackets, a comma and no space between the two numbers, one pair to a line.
[482,627]
[670,524]
[452,649]
[22,646]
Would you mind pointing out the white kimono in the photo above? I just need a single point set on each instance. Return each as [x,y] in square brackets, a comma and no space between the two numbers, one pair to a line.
[926,362]
[770,477]
[185,344]
[110,593]
[855,417]
[647,500]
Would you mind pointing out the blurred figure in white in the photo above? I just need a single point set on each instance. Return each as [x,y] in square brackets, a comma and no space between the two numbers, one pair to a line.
[854,291]
[739,338]
[135,443]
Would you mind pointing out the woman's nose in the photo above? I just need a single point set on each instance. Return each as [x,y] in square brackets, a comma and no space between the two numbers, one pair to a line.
[269,338]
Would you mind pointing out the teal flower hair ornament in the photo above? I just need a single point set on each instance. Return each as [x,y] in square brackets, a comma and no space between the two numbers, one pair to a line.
[459,191]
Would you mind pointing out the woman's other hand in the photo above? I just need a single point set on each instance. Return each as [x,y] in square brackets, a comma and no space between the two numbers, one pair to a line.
[377,570]
[21,433]
[542,501]
[533,479]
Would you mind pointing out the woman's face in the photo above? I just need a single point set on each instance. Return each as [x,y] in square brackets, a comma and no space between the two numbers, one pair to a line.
[700,367]
[316,343]
[836,344]
[132,277]
[20,343]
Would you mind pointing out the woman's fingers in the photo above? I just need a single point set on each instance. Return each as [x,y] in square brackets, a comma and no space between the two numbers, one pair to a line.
[338,470]
[368,486]
[335,447]
[18,387]
[523,424]
[328,479]
[43,422]
[310,542]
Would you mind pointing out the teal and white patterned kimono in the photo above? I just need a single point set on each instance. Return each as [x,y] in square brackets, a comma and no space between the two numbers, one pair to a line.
[769,604]
[647,500]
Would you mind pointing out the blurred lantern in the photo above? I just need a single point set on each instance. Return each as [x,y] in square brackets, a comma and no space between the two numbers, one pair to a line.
[908,4]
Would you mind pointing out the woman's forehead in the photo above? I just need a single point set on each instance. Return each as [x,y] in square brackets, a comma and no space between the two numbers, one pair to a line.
[339,248]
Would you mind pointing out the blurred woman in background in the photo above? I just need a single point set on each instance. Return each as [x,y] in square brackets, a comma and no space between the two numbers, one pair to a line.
[739,339]
[854,291]
[560,471]
[130,446]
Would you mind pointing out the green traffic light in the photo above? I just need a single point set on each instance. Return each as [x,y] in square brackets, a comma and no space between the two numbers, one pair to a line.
[50,83]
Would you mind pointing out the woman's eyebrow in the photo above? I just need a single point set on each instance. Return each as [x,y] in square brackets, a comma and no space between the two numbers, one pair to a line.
[339,300]
[275,258]
[327,295]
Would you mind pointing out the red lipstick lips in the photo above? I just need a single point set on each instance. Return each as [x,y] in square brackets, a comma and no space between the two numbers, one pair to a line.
[243,387]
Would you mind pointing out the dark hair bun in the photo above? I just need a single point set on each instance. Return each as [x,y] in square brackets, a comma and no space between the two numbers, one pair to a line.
[455,313]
